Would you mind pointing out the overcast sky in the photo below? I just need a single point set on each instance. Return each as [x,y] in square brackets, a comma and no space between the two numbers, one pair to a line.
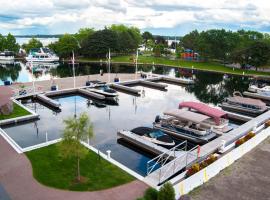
[166,17]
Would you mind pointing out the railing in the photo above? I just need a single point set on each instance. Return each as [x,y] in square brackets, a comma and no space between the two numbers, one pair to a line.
[178,164]
[163,158]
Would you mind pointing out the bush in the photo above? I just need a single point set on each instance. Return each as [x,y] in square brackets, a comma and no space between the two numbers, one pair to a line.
[166,192]
[267,124]
[151,194]
[244,139]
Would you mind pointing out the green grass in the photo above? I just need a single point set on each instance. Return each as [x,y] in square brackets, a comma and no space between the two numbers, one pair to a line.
[50,169]
[18,111]
[206,66]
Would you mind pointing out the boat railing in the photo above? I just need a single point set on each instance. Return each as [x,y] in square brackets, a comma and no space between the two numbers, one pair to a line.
[163,158]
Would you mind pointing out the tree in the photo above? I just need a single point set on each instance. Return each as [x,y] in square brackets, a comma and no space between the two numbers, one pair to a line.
[76,130]
[83,34]
[147,38]
[158,50]
[33,43]
[166,192]
[11,44]
[99,43]
[189,41]
[66,44]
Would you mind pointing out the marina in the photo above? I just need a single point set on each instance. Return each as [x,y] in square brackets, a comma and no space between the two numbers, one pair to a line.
[143,98]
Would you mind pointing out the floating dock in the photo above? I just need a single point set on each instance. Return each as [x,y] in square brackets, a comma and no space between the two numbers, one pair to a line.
[144,144]
[91,94]
[126,89]
[257,96]
[153,84]
[48,101]
[238,117]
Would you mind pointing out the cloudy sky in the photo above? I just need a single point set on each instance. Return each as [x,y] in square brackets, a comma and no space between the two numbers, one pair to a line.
[166,17]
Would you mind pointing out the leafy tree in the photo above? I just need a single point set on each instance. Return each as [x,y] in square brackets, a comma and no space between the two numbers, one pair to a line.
[147,38]
[166,192]
[66,44]
[76,130]
[99,43]
[161,40]
[2,42]
[83,34]
[189,41]
[11,43]
[33,43]
[158,50]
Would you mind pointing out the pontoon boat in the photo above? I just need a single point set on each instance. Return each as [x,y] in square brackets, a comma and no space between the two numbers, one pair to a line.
[186,125]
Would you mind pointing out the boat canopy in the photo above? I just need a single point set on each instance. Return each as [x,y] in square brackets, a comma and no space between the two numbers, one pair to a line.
[248,101]
[186,115]
[205,109]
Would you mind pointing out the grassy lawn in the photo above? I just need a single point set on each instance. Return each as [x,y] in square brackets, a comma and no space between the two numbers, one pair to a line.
[18,111]
[207,66]
[52,170]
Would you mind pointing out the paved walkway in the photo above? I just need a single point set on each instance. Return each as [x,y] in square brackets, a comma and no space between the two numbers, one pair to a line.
[16,178]
[246,179]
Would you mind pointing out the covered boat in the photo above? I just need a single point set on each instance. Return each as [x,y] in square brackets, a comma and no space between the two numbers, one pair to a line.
[265,90]
[185,124]
[244,105]
[155,136]
[218,118]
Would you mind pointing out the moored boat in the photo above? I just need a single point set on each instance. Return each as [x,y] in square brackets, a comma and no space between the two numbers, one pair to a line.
[264,91]
[186,125]
[41,55]
[105,90]
[217,117]
[7,56]
[155,136]
[244,105]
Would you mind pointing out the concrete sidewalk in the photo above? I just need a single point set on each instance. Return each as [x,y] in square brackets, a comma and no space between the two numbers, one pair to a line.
[17,179]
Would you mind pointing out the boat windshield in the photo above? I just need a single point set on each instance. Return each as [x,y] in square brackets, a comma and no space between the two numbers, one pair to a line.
[156,134]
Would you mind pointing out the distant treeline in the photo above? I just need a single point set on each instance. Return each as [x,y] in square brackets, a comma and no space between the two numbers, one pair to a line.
[39,36]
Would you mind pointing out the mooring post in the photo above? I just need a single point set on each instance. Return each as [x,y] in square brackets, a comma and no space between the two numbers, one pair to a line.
[109,154]
[46,136]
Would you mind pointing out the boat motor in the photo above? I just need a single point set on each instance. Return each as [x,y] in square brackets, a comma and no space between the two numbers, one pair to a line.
[157,119]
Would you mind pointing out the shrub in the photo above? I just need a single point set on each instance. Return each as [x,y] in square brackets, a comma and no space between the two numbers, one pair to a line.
[267,124]
[151,194]
[249,136]
[166,192]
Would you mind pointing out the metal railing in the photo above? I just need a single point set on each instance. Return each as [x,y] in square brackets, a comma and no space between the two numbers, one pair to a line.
[178,164]
[163,158]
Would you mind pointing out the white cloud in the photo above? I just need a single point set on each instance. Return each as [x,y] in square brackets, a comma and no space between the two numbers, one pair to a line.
[58,16]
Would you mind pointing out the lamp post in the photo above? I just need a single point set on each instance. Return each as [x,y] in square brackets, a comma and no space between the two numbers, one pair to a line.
[136,64]
[109,66]
[73,62]
[33,81]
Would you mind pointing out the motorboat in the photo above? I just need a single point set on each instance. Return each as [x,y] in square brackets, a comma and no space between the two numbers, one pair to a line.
[7,56]
[264,91]
[105,90]
[155,136]
[244,105]
[217,117]
[186,125]
[42,55]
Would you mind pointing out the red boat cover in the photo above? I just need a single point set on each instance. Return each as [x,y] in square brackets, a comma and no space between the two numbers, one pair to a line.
[204,109]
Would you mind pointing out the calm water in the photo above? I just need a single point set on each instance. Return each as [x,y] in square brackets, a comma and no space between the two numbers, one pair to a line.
[130,112]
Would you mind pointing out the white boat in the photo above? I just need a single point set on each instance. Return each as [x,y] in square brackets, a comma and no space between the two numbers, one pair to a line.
[42,55]
[104,90]
[186,125]
[154,135]
[7,56]
[265,90]
[217,117]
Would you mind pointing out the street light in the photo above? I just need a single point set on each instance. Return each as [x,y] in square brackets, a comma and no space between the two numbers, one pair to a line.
[73,62]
